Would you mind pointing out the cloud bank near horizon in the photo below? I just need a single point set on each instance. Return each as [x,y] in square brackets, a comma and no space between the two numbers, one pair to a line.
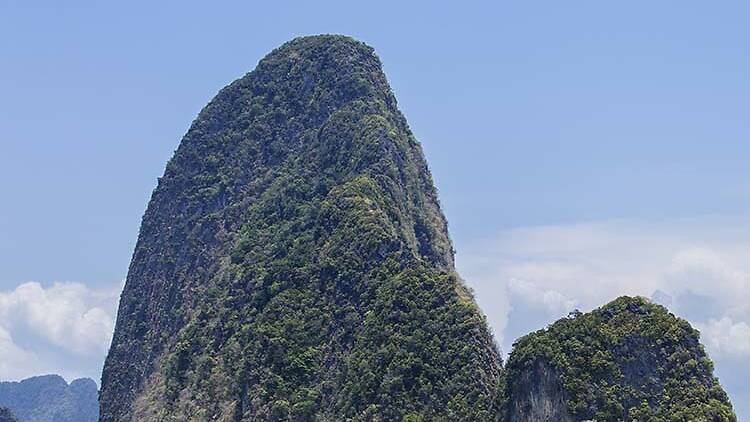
[523,278]
[64,328]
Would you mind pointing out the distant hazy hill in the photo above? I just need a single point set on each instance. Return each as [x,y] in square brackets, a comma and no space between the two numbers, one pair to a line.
[629,360]
[49,398]
[6,415]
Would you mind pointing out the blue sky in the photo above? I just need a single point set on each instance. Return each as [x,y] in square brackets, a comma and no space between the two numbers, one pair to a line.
[582,150]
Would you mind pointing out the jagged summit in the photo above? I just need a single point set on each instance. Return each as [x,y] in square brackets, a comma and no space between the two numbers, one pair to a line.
[294,263]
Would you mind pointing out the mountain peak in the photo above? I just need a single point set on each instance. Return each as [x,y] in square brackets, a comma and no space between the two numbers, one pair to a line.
[295,254]
[48,379]
[627,360]
[325,42]
[294,264]
[84,384]
[320,51]
[339,64]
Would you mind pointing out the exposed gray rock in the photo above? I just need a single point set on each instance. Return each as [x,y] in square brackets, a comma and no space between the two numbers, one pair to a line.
[539,396]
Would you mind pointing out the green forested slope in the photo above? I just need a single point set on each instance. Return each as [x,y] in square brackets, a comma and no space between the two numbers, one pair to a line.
[294,263]
[629,360]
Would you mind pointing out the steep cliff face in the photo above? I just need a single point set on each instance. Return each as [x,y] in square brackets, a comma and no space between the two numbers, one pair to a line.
[294,264]
[629,360]
[539,396]
[49,398]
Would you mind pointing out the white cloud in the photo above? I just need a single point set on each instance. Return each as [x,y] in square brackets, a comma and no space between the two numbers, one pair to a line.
[39,326]
[554,302]
[14,361]
[726,337]
[704,273]
[701,265]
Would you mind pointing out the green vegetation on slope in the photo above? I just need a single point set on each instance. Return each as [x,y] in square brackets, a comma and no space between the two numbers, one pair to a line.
[629,360]
[294,263]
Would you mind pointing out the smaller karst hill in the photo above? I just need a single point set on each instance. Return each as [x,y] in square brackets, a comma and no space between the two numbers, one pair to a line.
[630,360]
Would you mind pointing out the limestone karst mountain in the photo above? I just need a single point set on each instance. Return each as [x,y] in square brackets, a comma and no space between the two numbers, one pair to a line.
[629,360]
[294,263]
[49,398]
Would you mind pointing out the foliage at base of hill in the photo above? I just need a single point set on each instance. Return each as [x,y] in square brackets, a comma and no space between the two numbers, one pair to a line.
[629,360]
[294,263]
